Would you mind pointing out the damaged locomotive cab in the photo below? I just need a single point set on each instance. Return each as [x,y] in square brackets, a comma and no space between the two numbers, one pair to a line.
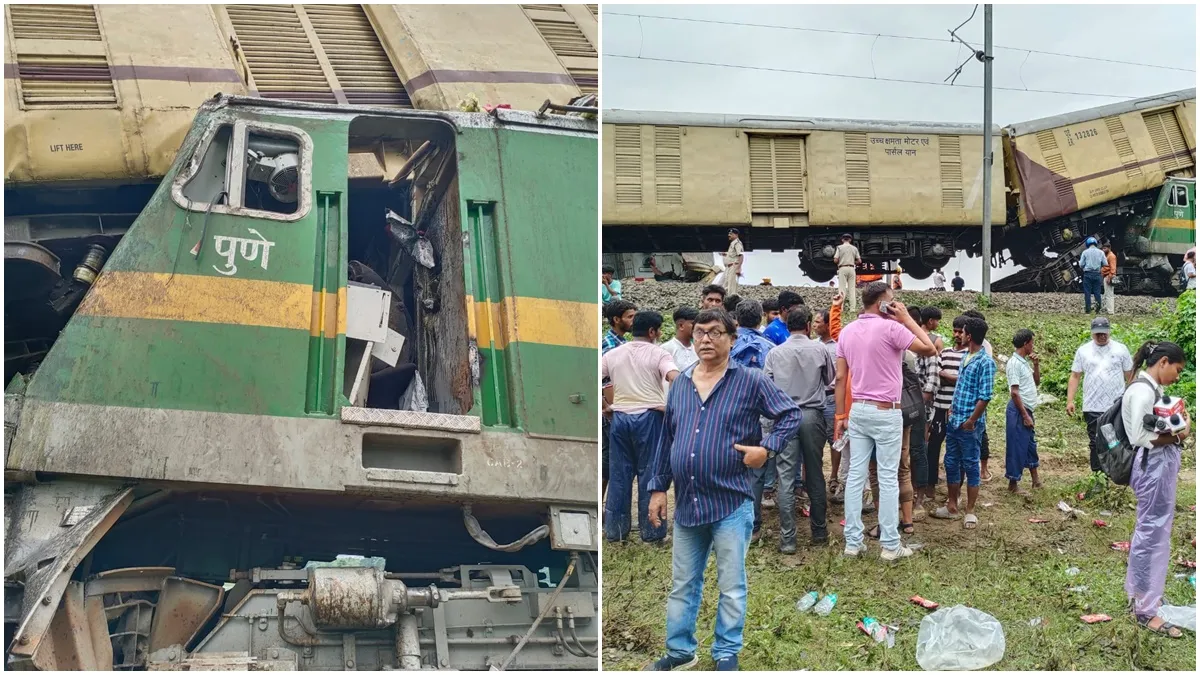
[407,348]
[228,395]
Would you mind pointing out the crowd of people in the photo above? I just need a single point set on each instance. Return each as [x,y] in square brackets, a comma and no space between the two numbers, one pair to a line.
[735,411]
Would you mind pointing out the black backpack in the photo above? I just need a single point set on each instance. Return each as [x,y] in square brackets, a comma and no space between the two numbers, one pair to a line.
[912,397]
[1116,461]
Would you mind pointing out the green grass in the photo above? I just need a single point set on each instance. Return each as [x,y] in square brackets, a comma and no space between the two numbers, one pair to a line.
[1007,567]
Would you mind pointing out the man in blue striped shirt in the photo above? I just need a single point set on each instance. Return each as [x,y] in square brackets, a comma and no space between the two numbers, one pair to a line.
[711,440]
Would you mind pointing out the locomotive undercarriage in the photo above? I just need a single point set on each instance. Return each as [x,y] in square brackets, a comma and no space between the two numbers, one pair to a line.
[158,578]
[1047,251]
[1124,222]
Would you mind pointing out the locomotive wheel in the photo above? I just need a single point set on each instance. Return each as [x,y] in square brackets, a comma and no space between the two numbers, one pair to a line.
[1030,258]
[916,268]
[818,274]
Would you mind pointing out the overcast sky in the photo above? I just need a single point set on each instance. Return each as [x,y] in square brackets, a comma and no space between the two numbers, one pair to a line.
[1163,35]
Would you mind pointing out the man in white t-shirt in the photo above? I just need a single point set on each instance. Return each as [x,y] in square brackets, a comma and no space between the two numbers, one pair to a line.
[846,257]
[637,398]
[680,347]
[1024,374]
[939,280]
[1106,367]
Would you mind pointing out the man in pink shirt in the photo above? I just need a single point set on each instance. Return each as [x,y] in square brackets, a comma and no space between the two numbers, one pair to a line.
[869,352]
[637,400]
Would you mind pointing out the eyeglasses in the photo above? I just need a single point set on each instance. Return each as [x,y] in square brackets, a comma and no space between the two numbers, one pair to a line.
[701,334]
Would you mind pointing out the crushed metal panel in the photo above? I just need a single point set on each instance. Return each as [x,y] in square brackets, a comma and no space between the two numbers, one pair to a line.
[47,570]
[78,635]
[184,607]
[128,580]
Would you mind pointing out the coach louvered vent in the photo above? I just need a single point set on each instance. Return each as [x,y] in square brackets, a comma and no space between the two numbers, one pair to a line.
[319,53]
[1168,140]
[359,62]
[573,49]
[74,77]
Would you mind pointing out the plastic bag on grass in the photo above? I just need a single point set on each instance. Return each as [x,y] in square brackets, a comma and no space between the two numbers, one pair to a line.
[1184,617]
[959,638]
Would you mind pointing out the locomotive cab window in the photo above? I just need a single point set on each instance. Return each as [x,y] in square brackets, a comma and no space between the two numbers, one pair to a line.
[210,180]
[1178,196]
[271,180]
[257,170]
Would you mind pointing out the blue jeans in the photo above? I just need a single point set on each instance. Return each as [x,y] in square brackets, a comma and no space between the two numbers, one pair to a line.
[730,539]
[962,455]
[1093,286]
[879,435]
[631,447]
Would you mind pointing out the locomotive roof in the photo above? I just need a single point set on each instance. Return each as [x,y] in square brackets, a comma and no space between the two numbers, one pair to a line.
[567,123]
[789,123]
[1066,119]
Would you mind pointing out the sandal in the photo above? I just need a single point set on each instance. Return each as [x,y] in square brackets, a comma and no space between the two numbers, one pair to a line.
[943,513]
[970,522]
[873,532]
[906,528]
[1163,628]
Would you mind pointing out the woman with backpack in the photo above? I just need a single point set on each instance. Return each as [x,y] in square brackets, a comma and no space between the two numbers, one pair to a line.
[1154,479]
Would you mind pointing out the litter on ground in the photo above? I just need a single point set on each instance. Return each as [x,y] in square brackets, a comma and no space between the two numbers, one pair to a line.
[927,604]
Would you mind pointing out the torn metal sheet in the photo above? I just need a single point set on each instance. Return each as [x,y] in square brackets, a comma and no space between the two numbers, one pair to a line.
[184,607]
[47,570]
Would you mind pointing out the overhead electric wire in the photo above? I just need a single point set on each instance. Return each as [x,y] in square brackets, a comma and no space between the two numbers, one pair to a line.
[895,37]
[1122,97]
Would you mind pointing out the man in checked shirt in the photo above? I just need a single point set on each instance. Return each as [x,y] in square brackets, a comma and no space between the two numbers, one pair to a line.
[710,442]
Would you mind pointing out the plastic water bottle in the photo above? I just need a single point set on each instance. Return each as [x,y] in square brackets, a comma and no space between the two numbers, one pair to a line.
[806,603]
[878,631]
[825,606]
[1110,436]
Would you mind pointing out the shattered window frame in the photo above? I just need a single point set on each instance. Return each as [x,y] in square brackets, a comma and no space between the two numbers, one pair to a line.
[235,173]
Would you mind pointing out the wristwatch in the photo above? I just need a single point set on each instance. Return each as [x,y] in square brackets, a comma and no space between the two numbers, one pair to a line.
[770,454]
